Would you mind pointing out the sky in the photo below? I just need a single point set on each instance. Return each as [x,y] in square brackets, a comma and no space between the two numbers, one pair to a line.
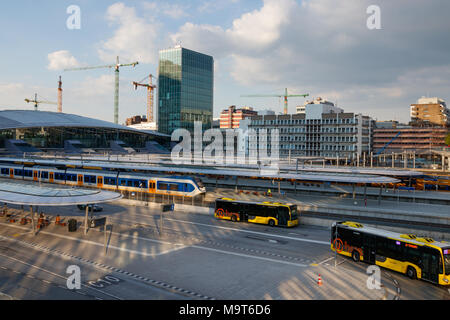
[321,47]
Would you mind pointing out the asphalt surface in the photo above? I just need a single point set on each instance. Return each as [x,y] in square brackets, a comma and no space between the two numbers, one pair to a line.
[193,256]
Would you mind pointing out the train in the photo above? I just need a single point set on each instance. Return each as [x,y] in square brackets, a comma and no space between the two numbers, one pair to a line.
[110,180]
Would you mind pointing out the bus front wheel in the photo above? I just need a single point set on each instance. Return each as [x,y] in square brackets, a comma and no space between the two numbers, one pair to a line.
[233,218]
[271,223]
[355,256]
[411,273]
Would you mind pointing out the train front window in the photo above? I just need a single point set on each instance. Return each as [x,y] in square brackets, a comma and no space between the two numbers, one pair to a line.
[199,182]
[447,261]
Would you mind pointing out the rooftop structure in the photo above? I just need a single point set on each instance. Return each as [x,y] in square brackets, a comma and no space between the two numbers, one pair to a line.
[318,106]
[50,130]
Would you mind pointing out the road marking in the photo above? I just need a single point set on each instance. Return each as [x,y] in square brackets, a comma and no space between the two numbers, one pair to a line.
[326,260]
[250,256]
[111,246]
[253,232]
[98,265]
[54,274]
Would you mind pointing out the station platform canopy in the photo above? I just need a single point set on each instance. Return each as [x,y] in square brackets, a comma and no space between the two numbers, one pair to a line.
[33,194]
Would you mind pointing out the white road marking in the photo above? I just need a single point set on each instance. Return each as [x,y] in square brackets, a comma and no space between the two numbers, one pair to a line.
[54,274]
[253,232]
[111,246]
[326,260]
[250,256]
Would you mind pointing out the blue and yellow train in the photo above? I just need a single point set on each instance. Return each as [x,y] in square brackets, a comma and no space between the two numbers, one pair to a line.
[111,180]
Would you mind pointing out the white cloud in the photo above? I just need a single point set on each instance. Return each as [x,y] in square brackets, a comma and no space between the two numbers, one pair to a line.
[174,11]
[135,38]
[60,60]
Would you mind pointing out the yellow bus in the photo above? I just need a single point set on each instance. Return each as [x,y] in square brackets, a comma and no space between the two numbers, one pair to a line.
[270,213]
[416,257]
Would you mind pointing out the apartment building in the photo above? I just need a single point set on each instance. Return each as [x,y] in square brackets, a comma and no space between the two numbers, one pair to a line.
[230,118]
[430,112]
[316,134]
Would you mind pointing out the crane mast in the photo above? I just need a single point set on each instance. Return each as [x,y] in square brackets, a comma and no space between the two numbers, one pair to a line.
[150,87]
[116,67]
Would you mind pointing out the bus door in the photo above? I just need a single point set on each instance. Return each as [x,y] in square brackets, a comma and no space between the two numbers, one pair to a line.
[243,212]
[11,173]
[100,182]
[368,246]
[430,265]
[35,175]
[80,179]
[51,177]
[283,216]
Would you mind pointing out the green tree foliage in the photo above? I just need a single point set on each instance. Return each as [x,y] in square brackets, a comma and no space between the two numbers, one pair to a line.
[447,140]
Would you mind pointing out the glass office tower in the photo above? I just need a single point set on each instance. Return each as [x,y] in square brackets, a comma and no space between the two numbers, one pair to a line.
[185,89]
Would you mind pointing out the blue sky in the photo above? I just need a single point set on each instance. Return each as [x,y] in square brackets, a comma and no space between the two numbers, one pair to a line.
[320,47]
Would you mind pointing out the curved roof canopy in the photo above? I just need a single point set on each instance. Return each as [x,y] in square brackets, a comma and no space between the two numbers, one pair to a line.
[36,195]
[22,119]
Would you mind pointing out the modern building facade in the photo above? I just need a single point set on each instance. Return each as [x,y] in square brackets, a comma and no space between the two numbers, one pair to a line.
[231,117]
[347,135]
[185,89]
[431,112]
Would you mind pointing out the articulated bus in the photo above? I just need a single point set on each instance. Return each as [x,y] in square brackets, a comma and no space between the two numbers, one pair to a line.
[417,258]
[270,213]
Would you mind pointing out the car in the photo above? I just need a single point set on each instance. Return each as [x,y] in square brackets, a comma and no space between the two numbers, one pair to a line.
[92,207]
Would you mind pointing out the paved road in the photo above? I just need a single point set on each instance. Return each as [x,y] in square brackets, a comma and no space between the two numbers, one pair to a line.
[196,257]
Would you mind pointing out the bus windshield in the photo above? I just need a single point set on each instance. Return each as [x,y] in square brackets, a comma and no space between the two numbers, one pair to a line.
[447,261]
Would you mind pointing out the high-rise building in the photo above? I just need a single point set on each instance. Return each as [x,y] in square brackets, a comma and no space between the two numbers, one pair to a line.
[230,118]
[430,111]
[185,89]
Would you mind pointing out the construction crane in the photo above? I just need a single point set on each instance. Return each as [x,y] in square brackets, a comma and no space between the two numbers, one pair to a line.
[60,95]
[150,86]
[285,96]
[38,102]
[116,67]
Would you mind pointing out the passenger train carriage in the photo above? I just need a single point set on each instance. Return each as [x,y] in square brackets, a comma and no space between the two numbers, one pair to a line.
[110,180]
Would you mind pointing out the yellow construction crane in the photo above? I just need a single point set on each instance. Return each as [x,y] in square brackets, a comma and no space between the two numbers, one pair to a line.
[38,102]
[150,87]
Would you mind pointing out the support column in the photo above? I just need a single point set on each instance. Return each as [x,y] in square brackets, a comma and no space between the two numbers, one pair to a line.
[354,191]
[86,220]
[33,227]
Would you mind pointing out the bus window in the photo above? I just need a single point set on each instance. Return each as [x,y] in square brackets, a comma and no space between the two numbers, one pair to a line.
[447,261]
[271,212]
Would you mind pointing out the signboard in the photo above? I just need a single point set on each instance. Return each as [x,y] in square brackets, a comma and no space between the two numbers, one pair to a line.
[98,222]
[168,207]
